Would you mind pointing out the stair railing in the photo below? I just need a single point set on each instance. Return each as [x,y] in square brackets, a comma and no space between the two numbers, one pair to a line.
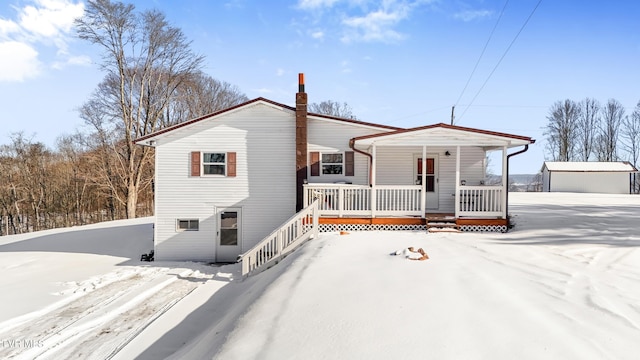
[282,241]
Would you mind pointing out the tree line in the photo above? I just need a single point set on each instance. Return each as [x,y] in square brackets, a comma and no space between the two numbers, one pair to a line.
[588,130]
[152,80]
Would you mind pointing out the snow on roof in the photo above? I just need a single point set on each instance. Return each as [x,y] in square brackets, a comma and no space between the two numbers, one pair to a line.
[590,166]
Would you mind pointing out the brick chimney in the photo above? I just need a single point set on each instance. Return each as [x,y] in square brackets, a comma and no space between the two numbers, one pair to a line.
[301,141]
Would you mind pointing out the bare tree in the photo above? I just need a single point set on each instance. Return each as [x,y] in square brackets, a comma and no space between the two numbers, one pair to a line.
[201,95]
[146,60]
[607,139]
[630,134]
[588,121]
[562,130]
[332,108]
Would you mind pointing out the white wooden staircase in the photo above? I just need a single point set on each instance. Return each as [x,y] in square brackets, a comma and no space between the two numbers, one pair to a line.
[294,232]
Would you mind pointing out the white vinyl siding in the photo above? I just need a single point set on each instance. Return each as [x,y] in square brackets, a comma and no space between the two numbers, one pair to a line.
[326,136]
[263,138]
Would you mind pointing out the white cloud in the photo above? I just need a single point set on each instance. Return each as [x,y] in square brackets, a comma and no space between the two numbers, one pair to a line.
[470,15]
[279,72]
[18,61]
[7,27]
[81,60]
[376,25]
[315,4]
[39,23]
[362,20]
[50,18]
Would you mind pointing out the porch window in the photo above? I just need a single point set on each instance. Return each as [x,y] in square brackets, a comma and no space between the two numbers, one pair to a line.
[187,225]
[430,175]
[337,163]
[332,163]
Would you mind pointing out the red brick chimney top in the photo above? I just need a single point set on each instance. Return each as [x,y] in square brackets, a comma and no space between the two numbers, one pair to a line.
[301,82]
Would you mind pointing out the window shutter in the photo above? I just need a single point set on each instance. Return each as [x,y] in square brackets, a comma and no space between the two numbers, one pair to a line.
[315,163]
[349,163]
[195,163]
[231,164]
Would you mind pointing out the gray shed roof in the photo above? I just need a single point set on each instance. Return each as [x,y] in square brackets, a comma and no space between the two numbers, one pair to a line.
[589,166]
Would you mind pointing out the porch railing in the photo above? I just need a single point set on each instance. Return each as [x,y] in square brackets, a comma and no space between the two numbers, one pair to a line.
[398,200]
[480,201]
[353,200]
[302,226]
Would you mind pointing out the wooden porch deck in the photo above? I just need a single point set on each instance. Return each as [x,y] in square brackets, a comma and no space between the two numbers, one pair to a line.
[415,221]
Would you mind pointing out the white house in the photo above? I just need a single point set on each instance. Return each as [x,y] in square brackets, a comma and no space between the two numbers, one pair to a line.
[226,180]
[587,177]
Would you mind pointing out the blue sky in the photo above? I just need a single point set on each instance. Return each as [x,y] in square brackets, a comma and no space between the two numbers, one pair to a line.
[396,62]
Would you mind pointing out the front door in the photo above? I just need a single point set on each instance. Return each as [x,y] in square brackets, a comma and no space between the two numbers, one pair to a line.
[431,180]
[229,242]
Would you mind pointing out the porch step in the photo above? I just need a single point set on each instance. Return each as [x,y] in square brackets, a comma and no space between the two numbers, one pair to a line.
[442,225]
[443,230]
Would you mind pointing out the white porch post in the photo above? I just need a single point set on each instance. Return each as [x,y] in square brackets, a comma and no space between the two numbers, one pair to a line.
[505,182]
[423,193]
[373,181]
[457,194]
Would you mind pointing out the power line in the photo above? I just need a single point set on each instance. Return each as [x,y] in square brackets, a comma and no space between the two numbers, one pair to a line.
[501,58]
[482,53]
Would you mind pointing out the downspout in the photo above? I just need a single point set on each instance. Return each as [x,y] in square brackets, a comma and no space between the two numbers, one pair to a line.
[352,145]
[526,147]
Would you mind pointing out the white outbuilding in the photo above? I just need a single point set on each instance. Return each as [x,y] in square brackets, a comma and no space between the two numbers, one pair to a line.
[588,177]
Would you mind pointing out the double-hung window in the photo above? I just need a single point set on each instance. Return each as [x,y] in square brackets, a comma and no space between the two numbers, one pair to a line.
[332,163]
[214,164]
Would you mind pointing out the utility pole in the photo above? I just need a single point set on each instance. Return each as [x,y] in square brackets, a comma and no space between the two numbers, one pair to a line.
[452,116]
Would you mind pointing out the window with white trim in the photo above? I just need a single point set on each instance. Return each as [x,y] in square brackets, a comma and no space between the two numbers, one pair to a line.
[332,163]
[214,164]
[187,225]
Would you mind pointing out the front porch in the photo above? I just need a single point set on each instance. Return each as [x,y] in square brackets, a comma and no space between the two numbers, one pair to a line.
[344,207]
[416,173]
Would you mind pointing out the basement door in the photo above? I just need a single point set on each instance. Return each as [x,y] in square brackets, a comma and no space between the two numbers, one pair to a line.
[229,235]
[431,186]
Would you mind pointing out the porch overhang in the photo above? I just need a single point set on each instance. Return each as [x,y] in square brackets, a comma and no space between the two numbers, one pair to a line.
[442,135]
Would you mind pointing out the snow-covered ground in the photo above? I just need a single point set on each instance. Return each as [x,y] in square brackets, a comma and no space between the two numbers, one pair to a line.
[563,284]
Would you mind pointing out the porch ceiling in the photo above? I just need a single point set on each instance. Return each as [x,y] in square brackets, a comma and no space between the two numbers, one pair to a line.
[442,135]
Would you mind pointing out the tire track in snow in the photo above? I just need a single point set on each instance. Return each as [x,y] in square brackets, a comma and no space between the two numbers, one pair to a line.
[95,325]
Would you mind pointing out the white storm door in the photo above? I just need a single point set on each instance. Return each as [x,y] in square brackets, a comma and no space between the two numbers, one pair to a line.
[431,178]
[229,239]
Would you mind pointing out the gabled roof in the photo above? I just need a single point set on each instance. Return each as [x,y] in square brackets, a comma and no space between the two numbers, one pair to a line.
[442,135]
[589,166]
[251,102]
